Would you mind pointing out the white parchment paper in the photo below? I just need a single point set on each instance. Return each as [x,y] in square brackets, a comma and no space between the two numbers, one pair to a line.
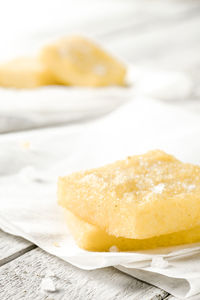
[32,161]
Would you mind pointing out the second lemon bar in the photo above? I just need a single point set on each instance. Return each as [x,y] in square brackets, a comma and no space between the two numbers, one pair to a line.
[90,237]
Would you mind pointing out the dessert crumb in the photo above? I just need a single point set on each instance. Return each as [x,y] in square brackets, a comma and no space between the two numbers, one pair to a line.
[47,285]
[113,249]
[26,145]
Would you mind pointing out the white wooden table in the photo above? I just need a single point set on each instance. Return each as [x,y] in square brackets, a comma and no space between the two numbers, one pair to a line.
[160,34]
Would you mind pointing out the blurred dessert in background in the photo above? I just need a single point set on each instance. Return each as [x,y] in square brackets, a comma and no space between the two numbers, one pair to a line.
[74,61]
[25,72]
[78,61]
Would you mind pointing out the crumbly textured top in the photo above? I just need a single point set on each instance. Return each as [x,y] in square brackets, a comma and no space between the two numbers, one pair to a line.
[144,177]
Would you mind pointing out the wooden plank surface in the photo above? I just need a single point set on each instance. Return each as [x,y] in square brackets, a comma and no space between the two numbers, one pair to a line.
[25,278]
[12,247]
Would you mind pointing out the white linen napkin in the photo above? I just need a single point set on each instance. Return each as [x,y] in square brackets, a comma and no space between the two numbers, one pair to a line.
[32,161]
[22,109]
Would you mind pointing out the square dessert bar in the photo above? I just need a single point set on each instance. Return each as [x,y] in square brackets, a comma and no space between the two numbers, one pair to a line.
[140,197]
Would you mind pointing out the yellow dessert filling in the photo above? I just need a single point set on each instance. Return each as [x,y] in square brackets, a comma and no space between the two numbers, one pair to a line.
[91,238]
[140,197]
[78,61]
[25,72]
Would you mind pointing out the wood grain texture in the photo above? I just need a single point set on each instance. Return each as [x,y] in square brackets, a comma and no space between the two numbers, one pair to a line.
[22,278]
[12,247]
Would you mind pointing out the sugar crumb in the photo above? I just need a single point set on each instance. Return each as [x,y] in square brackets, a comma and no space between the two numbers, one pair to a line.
[47,285]
[94,180]
[113,249]
[119,179]
[26,145]
[27,173]
[128,197]
[189,187]
[158,189]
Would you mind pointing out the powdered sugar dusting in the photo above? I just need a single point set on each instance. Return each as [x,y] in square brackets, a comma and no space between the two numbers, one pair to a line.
[159,188]
[189,187]
[143,179]
[122,177]
[128,197]
[94,181]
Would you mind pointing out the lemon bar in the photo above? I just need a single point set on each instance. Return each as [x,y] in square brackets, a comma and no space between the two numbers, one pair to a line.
[25,72]
[91,238]
[78,61]
[140,197]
